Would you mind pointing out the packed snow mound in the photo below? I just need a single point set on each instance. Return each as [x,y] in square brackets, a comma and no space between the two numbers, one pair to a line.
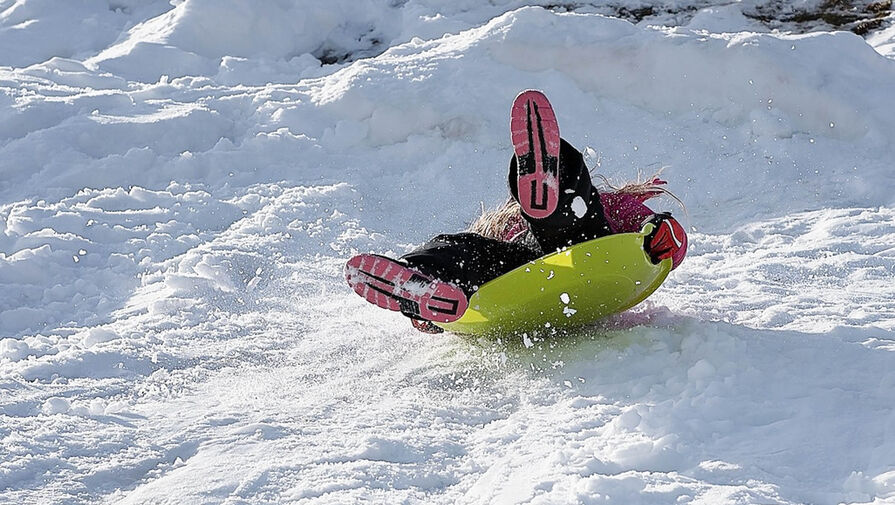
[34,31]
[734,77]
[196,35]
[181,183]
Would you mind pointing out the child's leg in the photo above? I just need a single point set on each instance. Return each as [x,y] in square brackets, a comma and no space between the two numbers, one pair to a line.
[435,281]
[468,260]
[579,214]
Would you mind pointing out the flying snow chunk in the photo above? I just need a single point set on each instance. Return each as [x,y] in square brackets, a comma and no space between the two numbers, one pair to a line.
[579,207]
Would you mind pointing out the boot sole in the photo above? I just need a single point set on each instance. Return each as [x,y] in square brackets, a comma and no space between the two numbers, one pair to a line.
[536,142]
[393,286]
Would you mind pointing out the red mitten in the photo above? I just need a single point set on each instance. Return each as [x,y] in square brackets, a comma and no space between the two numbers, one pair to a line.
[668,240]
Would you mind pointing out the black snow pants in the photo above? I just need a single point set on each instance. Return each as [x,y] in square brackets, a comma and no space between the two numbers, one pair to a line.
[470,260]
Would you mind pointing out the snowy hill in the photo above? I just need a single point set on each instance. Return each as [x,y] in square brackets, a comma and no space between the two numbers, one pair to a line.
[181,183]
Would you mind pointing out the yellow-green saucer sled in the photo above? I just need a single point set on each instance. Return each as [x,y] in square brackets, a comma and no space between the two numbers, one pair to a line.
[576,286]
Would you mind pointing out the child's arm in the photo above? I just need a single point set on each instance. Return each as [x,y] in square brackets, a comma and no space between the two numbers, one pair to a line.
[625,213]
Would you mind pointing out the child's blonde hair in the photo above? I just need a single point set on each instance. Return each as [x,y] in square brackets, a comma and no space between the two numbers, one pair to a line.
[644,189]
[497,223]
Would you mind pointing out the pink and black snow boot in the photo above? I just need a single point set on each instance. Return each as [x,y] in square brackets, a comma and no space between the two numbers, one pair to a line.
[395,286]
[535,135]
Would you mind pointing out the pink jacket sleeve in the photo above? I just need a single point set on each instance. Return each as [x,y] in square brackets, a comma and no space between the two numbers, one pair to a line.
[625,213]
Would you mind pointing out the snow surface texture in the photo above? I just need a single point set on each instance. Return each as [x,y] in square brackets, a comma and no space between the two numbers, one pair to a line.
[180,184]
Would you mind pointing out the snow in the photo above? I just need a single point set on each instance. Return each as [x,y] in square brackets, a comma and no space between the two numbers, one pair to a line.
[181,184]
[579,206]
